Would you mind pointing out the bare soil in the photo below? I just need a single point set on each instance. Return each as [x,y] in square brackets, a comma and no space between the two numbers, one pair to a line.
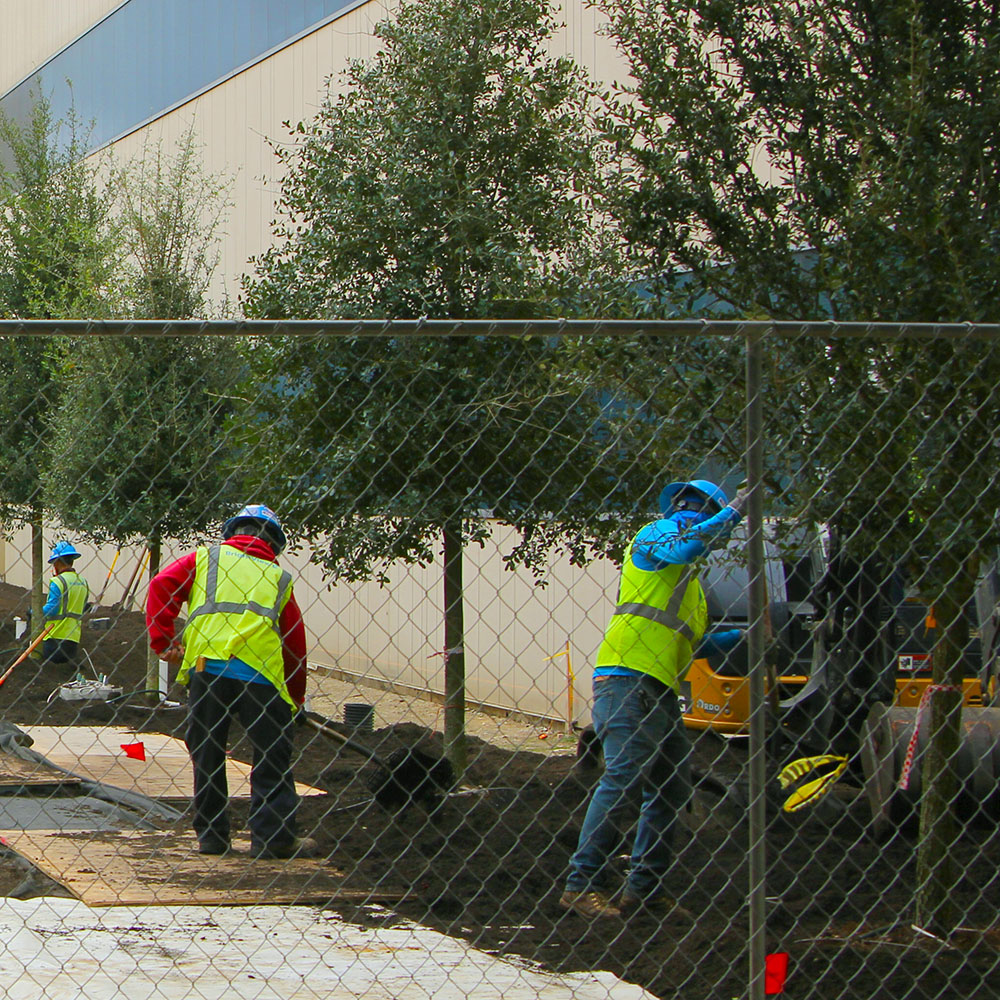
[487,863]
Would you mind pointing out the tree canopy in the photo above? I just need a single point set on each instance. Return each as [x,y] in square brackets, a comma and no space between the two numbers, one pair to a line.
[58,251]
[810,161]
[138,437]
[806,160]
[451,176]
[861,133]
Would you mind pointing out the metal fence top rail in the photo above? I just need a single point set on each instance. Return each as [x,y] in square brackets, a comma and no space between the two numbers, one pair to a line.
[499,327]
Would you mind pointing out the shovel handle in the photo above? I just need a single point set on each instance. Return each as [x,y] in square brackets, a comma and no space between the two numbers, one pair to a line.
[344,741]
[32,646]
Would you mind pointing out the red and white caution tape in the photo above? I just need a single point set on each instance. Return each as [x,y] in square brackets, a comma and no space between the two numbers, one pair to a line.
[911,749]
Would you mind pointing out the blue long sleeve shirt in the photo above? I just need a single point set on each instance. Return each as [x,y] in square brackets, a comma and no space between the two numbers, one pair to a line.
[677,540]
[53,600]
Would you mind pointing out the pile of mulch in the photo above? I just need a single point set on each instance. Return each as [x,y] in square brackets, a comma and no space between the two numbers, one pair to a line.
[487,862]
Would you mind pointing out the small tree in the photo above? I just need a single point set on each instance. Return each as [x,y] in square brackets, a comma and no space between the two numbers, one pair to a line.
[172,213]
[452,178]
[138,441]
[58,253]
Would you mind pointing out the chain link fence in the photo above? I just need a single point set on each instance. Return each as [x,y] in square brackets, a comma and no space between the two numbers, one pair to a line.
[457,500]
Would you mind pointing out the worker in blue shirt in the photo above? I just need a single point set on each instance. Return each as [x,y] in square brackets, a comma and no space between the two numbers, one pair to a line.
[64,608]
[658,626]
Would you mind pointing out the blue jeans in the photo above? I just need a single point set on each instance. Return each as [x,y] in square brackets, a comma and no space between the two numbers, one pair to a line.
[646,751]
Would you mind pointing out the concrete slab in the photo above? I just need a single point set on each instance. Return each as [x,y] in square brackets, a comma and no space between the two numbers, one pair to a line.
[20,813]
[60,947]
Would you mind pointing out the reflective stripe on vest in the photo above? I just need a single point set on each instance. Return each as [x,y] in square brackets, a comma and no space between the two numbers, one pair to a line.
[670,615]
[67,622]
[213,606]
[65,589]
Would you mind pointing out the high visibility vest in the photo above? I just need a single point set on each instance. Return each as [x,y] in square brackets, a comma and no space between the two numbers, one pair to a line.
[660,617]
[73,594]
[234,606]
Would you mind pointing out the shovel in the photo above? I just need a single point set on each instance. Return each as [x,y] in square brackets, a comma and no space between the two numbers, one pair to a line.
[135,579]
[32,646]
[405,776]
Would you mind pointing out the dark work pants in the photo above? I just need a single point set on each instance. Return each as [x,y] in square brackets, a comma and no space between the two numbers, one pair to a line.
[267,718]
[60,651]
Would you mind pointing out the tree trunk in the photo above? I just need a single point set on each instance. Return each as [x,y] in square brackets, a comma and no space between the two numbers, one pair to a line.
[152,659]
[37,576]
[454,645]
[943,719]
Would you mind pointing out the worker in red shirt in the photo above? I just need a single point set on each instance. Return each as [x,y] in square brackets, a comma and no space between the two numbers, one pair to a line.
[242,653]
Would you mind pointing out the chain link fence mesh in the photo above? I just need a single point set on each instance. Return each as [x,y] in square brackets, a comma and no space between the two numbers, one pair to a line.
[457,499]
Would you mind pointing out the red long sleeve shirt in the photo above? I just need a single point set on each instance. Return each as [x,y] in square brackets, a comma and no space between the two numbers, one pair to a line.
[170,588]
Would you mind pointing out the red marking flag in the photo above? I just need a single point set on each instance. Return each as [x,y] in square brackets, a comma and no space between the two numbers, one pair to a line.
[775,970]
[137,751]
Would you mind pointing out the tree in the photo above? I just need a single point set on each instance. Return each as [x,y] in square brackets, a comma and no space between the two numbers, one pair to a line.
[138,441]
[452,178]
[453,175]
[58,252]
[172,213]
[804,160]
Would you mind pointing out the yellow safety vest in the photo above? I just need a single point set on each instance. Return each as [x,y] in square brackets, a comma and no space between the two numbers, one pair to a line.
[234,606]
[660,617]
[74,592]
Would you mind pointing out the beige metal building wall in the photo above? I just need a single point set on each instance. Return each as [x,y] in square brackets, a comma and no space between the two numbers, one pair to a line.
[234,120]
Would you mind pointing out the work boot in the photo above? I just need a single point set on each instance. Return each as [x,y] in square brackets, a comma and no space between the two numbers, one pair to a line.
[589,904]
[210,844]
[297,847]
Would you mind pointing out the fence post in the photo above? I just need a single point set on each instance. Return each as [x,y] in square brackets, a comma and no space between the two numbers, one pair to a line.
[757,602]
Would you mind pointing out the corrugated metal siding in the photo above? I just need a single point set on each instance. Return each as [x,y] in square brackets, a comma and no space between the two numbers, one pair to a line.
[31,31]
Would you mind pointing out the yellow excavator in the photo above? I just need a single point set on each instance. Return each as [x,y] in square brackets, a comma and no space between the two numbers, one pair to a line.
[848,665]
[812,618]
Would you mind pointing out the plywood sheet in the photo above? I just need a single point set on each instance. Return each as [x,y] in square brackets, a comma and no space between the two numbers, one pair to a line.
[139,868]
[95,753]
[17,773]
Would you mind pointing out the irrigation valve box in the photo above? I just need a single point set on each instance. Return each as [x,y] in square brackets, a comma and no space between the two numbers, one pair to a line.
[84,690]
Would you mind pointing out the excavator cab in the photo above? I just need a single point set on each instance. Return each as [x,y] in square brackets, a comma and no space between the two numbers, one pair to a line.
[848,661]
[715,692]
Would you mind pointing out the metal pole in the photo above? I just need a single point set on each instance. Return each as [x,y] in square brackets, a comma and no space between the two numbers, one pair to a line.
[756,640]
[681,328]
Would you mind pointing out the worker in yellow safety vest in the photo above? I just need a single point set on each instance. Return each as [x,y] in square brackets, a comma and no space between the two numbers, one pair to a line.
[64,608]
[242,654]
[659,622]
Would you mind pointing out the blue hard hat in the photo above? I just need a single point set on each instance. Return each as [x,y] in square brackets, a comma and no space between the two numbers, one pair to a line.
[701,487]
[63,550]
[262,515]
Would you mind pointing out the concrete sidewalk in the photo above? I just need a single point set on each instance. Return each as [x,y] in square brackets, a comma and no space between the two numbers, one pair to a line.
[62,948]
